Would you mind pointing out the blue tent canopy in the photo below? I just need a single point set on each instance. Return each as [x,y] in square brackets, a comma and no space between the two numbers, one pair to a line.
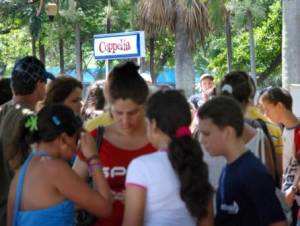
[89,75]
[167,77]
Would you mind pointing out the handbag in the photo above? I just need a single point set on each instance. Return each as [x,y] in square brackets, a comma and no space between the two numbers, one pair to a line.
[83,217]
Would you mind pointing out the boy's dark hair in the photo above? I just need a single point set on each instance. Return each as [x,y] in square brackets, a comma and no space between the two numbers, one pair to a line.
[124,82]
[48,124]
[26,73]
[171,111]
[276,95]
[60,88]
[54,120]
[243,89]
[223,111]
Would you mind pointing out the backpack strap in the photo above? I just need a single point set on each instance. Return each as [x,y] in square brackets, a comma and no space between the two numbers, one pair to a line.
[264,127]
[261,145]
[99,137]
[98,140]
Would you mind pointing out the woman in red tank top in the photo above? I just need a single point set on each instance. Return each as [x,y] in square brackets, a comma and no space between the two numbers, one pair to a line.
[126,138]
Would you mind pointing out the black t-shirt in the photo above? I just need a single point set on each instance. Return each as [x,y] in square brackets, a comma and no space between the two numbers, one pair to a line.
[246,194]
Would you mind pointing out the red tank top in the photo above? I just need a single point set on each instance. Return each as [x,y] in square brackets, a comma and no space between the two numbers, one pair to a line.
[115,162]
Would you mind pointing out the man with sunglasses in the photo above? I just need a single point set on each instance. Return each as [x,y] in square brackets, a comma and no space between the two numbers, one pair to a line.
[28,81]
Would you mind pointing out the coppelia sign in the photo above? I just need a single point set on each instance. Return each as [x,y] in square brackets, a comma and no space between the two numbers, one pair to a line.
[119,45]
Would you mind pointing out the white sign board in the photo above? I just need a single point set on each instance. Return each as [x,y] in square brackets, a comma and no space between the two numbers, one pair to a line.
[119,45]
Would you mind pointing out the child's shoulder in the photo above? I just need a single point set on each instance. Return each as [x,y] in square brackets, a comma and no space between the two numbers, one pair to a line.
[56,166]
[150,157]
[248,165]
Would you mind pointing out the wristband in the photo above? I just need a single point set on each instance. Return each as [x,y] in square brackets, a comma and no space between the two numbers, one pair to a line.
[91,167]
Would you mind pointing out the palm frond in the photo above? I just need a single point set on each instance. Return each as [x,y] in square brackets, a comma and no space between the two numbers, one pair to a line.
[156,15]
[217,13]
[196,21]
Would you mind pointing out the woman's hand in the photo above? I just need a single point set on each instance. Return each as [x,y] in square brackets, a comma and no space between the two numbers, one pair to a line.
[87,145]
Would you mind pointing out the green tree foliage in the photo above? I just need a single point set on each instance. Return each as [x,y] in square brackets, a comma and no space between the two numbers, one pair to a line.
[19,17]
[12,47]
[15,40]
[239,9]
[14,32]
[164,53]
[216,14]
[268,45]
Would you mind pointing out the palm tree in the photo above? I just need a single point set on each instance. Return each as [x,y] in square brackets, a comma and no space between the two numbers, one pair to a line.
[245,12]
[188,20]
[34,28]
[72,14]
[221,19]
[290,43]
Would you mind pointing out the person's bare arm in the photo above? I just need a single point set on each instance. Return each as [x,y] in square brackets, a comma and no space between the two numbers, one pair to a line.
[71,186]
[135,199]
[97,201]
[80,167]
[209,219]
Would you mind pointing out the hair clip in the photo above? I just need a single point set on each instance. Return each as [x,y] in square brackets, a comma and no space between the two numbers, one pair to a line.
[183,131]
[31,123]
[56,120]
[227,88]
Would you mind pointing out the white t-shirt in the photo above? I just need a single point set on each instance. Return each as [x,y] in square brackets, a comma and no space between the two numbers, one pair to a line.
[164,207]
[291,169]
[215,166]
[257,145]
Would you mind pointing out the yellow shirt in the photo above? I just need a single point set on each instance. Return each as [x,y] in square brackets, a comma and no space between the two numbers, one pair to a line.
[102,120]
[274,130]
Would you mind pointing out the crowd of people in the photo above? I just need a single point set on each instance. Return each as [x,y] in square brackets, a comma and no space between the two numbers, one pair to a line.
[128,155]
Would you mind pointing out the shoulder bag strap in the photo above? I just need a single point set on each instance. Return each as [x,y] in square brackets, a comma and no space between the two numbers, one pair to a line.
[99,137]
[269,137]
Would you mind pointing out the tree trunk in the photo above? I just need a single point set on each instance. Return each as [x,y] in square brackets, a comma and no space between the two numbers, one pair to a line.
[274,64]
[108,27]
[132,14]
[108,17]
[78,52]
[151,61]
[290,43]
[228,41]
[42,52]
[33,45]
[184,66]
[61,56]
[252,46]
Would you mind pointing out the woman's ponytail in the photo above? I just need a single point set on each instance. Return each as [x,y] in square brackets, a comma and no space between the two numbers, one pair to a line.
[186,157]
